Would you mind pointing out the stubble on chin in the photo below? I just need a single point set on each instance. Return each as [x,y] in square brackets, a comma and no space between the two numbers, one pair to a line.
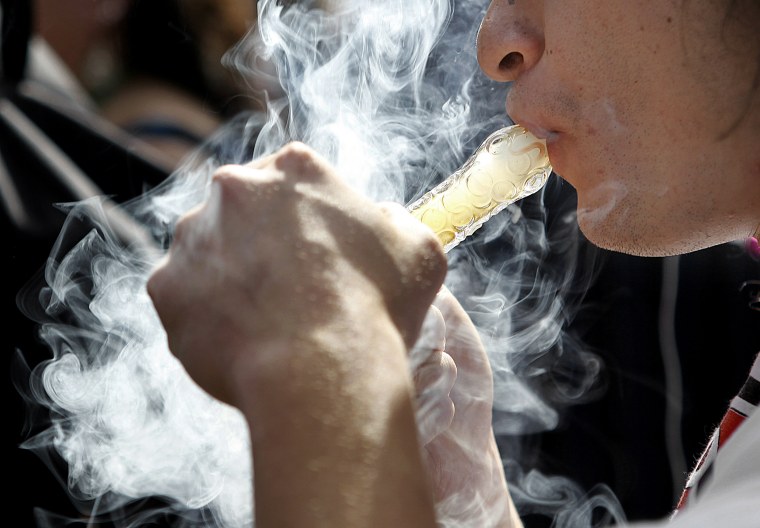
[600,217]
[610,222]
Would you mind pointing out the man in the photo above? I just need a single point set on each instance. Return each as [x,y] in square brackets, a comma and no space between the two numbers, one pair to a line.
[650,110]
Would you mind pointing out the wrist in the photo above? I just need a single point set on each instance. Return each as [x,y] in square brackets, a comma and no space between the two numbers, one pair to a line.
[335,429]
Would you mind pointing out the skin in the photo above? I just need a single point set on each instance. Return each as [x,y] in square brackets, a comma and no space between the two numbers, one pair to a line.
[614,86]
[462,459]
[639,102]
[260,351]
[271,355]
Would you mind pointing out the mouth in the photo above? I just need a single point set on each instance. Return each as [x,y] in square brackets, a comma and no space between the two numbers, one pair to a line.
[542,132]
[527,111]
[551,136]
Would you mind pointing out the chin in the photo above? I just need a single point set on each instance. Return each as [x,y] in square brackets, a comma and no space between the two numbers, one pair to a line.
[628,245]
[611,239]
[614,216]
[624,234]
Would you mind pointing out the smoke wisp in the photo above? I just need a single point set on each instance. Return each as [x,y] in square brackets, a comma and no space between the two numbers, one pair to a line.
[390,92]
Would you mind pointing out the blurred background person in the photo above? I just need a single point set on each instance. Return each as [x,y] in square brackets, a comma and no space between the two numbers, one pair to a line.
[96,102]
[152,67]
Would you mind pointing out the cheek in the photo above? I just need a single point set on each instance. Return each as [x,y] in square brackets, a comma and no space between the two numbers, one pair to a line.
[599,204]
[613,189]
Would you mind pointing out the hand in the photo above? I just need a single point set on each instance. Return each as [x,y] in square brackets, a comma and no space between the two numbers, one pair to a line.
[454,387]
[282,251]
[293,298]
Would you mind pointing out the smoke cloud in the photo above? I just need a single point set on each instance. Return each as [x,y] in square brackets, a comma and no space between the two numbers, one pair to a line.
[391,93]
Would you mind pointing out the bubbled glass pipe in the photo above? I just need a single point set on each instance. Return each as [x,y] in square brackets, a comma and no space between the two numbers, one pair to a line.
[511,164]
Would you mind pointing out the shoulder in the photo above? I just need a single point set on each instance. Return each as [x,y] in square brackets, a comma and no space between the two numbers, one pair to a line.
[738,462]
[730,497]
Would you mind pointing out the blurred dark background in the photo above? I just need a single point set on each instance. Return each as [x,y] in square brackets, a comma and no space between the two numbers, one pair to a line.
[674,336]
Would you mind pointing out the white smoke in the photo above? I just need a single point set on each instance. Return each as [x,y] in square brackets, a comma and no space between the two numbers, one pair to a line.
[391,93]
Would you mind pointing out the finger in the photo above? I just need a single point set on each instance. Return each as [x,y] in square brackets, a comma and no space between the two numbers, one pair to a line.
[242,175]
[434,407]
[264,161]
[403,220]
[450,307]
[462,337]
[436,377]
[474,384]
[432,338]
[295,159]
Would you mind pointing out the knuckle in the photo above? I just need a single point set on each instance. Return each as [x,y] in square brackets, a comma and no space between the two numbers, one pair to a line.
[181,229]
[427,248]
[228,180]
[300,160]
[296,154]
[190,233]
[297,148]
[393,209]
[225,172]
[158,286]
[431,253]
[153,285]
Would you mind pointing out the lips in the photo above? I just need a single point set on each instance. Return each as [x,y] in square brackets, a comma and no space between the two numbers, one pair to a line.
[548,134]
[537,130]
[529,109]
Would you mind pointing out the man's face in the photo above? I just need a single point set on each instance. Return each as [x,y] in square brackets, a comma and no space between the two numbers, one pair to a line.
[648,107]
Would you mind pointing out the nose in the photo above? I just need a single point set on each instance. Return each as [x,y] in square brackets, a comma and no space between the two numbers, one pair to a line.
[511,38]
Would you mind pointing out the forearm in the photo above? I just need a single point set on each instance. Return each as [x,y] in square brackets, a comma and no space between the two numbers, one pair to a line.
[337,446]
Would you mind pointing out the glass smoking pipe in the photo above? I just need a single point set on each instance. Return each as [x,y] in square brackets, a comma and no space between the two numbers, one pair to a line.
[511,164]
